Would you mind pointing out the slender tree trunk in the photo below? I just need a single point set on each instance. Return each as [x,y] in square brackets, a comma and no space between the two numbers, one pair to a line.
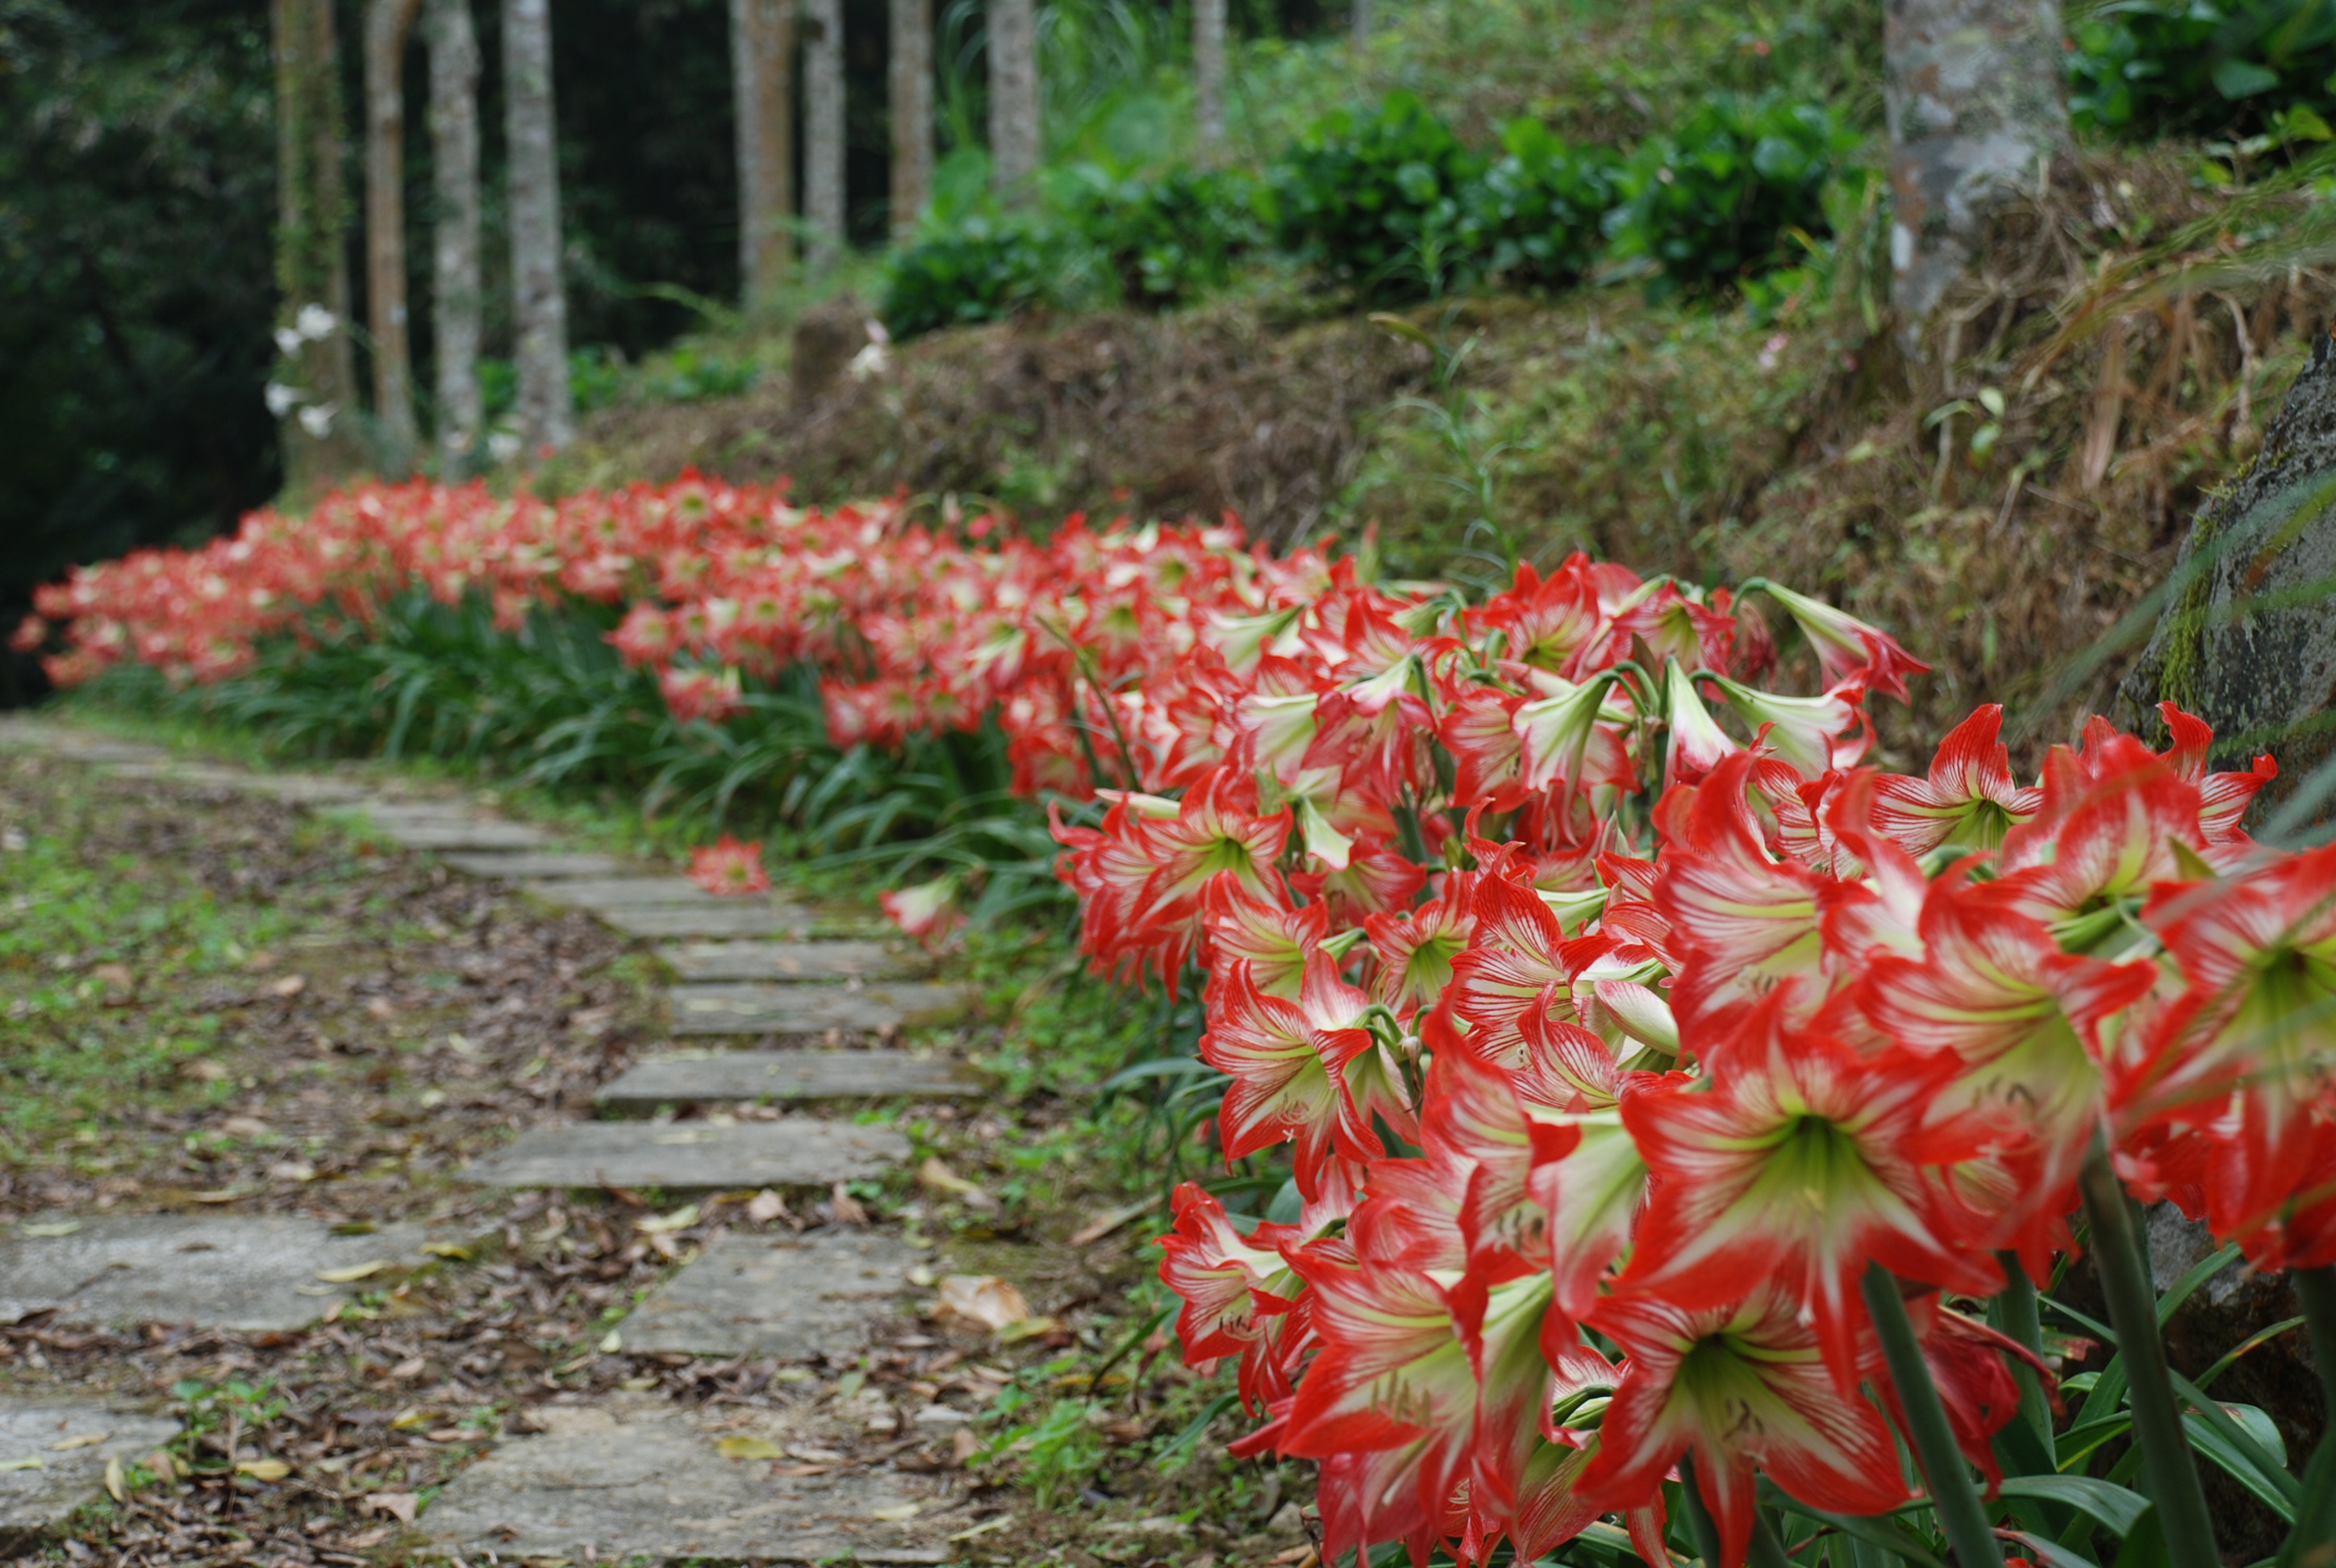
[1359,23]
[387,23]
[456,293]
[822,31]
[312,394]
[1014,125]
[1209,69]
[912,112]
[539,302]
[762,75]
[1973,93]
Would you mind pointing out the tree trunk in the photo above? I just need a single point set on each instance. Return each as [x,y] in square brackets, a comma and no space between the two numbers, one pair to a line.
[1973,94]
[455,291]
[387,22]
[2246,640]
[1209,70]
[1358,22]
[822,31]
[312,394]
[539,302]
[1013,98]
[911,85]
[762,75]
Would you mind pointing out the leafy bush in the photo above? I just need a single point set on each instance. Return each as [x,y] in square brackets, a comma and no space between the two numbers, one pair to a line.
[1533,217]
[982,268]
[1167,241]
[2151,66]
[1708,203]
[1378,199]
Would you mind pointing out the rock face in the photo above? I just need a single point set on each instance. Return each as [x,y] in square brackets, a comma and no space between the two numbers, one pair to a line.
[2247,639]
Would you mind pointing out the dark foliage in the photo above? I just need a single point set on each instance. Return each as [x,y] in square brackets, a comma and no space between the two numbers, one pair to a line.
[1375,198]
[2150,67]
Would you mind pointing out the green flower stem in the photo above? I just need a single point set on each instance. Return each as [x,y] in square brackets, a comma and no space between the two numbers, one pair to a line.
[1953,1494]
[2021,1320]
[2165,1458]
[1699,1522]
[2316,1289]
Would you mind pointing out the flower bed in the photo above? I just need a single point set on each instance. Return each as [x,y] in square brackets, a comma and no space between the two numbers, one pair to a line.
[1658,1080]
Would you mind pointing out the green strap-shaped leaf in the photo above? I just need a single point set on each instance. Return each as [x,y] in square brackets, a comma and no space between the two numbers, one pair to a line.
[1883,1534]
[2114,1506]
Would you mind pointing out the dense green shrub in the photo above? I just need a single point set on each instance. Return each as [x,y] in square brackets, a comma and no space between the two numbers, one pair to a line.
[1378,198]
[1533,216]
[1170,239]
[2151,66]
[1710,203]
[981,268]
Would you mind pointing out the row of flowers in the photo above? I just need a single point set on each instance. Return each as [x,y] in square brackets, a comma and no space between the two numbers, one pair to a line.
[1660,1079]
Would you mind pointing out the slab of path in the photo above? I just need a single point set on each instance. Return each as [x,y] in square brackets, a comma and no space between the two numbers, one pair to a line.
[794,1298]
[253,1273]
[700,1078]
[625,892]
[532,865]
[747,1009]
[797,1150]
[643,1477]
[714,918]
[841,960]
[68,1443]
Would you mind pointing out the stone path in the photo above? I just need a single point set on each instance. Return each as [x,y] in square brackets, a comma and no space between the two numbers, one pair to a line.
[643,1477]
[53,1459]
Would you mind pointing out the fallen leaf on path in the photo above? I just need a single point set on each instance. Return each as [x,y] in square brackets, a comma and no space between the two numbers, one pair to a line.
[116,1483]
[454,1250]
[244,1127]
[983,1298]
[749,1449]
[1296,1557]
[235,1193]
[264,1469]
[897,1512]
[291,1171]
[352,1271]
[412,1367]
[681,1219]
[941,1179]
[29,1462]
[963,1447]
[1026,1329]
[847,1209]
[400,1503]
[765,1206]
[86,1440]
[290,986]
[406,1420]
[800,1469]
[51,1228]
[1105,1223]
[366,1540]
[118,976]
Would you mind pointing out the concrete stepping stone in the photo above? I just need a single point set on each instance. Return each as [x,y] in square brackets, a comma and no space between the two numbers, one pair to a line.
[214,1271]
[793,1298]
[68,1443]
[731,918]
[624,893]
[841,960]
[689,1077]
[537,866]
[450,834]
[796,1150]
[782,1009]
[642,1478]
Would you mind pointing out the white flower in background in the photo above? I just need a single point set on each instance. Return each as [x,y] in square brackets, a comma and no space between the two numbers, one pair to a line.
[503,445]
[315,323]
[875,359]
[282,399]
[319,421]
[288,342]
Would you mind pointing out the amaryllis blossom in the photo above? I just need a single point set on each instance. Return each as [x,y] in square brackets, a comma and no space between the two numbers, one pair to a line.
[926,910]
[728,867]
[1566,959]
